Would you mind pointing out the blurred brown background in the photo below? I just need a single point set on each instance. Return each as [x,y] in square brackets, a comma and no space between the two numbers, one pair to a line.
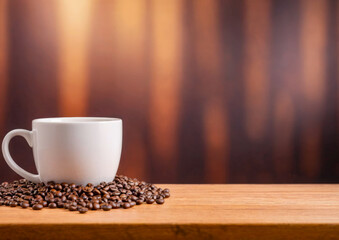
[229,91]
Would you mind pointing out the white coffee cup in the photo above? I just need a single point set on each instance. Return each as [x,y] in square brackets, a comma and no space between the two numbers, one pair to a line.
[76,150]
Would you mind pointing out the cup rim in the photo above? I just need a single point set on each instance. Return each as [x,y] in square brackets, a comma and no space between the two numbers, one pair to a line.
[76,120]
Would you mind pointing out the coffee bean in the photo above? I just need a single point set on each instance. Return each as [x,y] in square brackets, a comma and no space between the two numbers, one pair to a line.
[89,205]
[83,210]
[25,205]
[96,191]
[150,201]
[60,204]
[123,196]
[167,195]
[72,208]
[160,201]
[126,205]
[134,198]
[106,207]
[37,207]
[84,196]
[52,205]
[113,204]
[38,197]
[72,197]
[14,204]
[106,196]
[49,199]
[149,193]
[96,206]
[166,190]
[58,193]
[88,189]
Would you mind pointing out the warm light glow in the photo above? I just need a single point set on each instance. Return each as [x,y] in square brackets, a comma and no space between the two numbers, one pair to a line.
[165,82]
[129,19]
[208,48]
[74,26]
[256,65]
[313,51]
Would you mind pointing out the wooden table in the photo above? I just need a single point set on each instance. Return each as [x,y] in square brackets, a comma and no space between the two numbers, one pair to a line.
[194,212]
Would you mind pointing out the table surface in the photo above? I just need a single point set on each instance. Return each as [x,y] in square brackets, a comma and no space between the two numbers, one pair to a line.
[195,211]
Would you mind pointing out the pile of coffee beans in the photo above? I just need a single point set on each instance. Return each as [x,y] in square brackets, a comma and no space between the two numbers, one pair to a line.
[123,192]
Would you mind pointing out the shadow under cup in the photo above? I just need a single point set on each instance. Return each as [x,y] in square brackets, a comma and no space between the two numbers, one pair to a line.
[72,150]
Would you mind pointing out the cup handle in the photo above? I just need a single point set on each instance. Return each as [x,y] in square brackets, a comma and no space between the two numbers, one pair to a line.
[28,135]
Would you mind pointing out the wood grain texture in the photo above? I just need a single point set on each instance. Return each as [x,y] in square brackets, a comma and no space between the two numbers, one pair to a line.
[195,212]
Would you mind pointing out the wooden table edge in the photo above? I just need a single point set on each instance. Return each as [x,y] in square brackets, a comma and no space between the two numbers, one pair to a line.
[169,231]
